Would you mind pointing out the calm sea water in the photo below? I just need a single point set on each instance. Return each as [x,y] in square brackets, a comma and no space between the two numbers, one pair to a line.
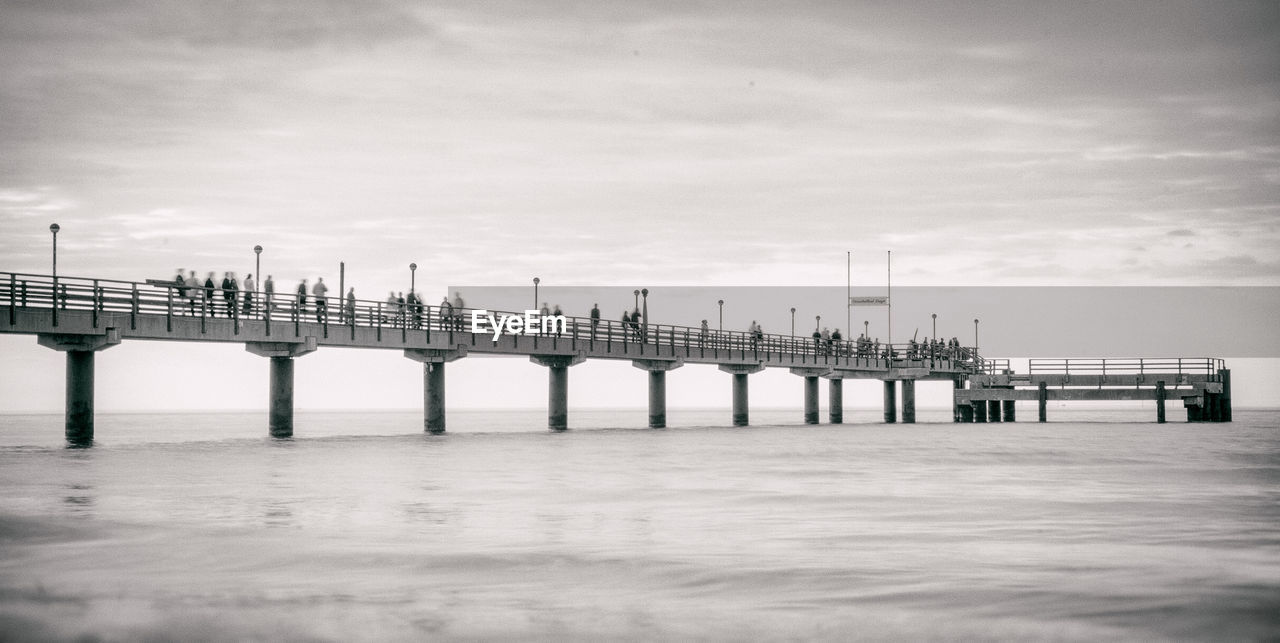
[197,527]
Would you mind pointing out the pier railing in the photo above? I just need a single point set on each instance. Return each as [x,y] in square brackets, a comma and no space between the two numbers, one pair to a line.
[19,291]
[1127,366]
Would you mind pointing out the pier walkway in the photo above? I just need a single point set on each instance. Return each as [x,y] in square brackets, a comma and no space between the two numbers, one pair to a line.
[81,316]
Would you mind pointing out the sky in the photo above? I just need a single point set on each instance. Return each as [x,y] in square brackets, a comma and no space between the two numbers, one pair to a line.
[646,143]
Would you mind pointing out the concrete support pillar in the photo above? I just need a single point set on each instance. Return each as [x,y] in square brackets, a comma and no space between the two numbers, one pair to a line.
[1161,395]
[908,401]
[811,399]
[433,397]
[80,349]
[280,388]
[1044,402]
[280,416]
[558,398]
[1009,410]
[740,373]
[993,410]
[835,395]
[657,388]
[433,388]
[741,415]
[980,411]
[557,387]
[79,411]
[1226,394]
[890,403]
[957,413]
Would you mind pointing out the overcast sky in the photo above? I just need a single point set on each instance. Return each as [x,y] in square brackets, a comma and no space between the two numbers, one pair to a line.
[598,142]
[644,143]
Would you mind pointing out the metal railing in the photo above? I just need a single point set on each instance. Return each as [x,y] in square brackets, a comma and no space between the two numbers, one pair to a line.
[280,311]
[1127,366]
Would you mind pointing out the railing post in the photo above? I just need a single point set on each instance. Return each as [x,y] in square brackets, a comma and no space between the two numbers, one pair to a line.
[53,300]
[379,321]
[168,311]
[204,308]
[133,317]
[266,311]
[13,313]
[235,318]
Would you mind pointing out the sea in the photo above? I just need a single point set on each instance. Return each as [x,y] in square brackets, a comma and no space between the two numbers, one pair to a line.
[1098,525]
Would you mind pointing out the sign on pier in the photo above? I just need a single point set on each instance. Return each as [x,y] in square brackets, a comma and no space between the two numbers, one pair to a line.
[868,301]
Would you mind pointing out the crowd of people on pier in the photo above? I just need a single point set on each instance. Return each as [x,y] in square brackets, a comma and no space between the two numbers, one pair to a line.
[235,298]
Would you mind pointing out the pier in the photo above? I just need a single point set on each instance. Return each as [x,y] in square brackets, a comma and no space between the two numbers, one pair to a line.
[81,316]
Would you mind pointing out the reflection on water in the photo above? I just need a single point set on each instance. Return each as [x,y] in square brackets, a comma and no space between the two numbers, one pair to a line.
[369,530]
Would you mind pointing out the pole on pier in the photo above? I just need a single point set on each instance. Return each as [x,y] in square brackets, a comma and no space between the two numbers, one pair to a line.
[965,411]
[1009,411]
[740,373]
[1044,402]
[835,401]
[890,404]
[1161,395]
[993,410]
[657,388]
[280,389]
[908,401]
[557,387]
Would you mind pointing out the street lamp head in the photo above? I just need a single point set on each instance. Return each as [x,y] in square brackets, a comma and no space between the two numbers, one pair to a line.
[975,320]
[644,291]
[536,281]
[257,250]
[935,315]
[793,310]
[54,228]
[637,293]
[721,302]
[413,266]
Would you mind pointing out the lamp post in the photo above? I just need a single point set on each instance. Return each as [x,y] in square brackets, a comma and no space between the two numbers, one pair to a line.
[793,321]
[817,324]
[257,270]
[53,300]
[935,328]
[721,302]
[536,281]
[866,329]
[54,228]
[413,269]
[975,337]
[637,294]
[644,316]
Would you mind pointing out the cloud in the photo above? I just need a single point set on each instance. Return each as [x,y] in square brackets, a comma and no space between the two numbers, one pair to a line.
[1181,232]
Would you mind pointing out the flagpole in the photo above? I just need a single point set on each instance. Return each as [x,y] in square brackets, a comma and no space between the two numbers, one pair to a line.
[889,300]
[848,288]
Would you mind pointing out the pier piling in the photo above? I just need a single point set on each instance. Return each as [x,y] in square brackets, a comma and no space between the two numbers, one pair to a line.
[80,349]
[835,395]
[741,416]
[557,387]
[280,389]
[1161,395]
[890,403]
[657,388]
[908,401]
[1009,410]
[1043,397]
